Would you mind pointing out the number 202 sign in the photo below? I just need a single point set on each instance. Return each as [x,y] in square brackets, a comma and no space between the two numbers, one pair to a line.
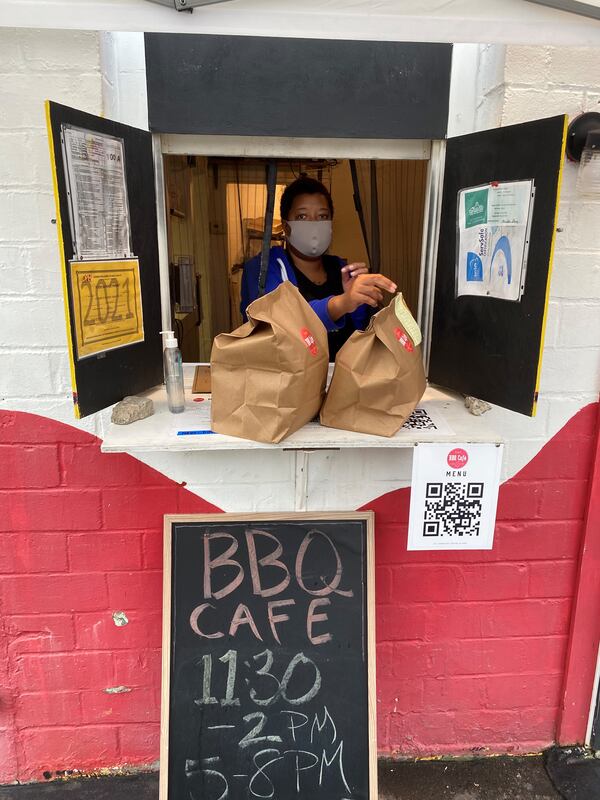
[107,305]
[268,658]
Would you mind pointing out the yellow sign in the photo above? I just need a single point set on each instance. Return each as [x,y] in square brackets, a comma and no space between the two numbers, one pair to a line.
[107,305]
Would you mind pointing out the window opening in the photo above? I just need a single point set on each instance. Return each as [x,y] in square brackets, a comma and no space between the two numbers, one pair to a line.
[216,218]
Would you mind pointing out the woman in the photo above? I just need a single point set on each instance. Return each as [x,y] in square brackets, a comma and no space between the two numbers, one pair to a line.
[342,295]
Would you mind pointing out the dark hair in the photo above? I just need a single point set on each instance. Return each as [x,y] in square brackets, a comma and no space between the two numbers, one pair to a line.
[303,185]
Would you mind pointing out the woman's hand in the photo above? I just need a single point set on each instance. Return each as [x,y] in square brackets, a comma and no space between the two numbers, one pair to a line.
[351,271]
[359,287]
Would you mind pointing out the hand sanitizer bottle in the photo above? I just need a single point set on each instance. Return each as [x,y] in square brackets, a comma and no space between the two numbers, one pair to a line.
[173,373]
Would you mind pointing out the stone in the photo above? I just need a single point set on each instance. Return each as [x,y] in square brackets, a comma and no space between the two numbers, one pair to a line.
[130,409]
[475,406]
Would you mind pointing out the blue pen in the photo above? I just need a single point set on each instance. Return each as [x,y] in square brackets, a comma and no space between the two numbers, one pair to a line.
[192,433]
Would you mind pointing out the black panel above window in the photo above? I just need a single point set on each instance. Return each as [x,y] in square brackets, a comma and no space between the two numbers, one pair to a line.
[259,86]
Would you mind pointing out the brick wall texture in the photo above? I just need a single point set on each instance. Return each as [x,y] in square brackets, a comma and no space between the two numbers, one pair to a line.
[471,646]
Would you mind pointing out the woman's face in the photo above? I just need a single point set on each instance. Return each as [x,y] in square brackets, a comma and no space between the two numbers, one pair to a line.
[311,207]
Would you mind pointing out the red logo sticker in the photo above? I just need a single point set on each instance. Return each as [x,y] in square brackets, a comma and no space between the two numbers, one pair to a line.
[309,341]
[404,339]
[457,458]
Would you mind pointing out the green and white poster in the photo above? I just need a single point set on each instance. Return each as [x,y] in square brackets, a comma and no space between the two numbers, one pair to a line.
[493,238]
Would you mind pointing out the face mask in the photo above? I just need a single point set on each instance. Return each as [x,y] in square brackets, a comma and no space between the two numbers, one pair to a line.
[310,238]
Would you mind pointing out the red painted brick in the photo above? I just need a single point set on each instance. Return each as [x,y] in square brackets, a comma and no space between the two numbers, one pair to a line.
[383,730]
[104,551]
[497,692]
[8,756]
[99,632]
[538,540]
[494,656]
[518,500]
[392,507]
[453,694]
[65,672]
[61,748]
[450,621]
[390,542]
[137,705]
[420,582]
[562,459]
[138,508]
[416,733]
[135,590]
[28,466]
[469,728]
[521,691]
[399,622]
[539,723]
[137,668]
[444,557]
[400,695]
[384,658]
[53,593]
[152,549]
[564,499]
[419,659]
[383,584]
[580,427]
[85,465]
[40,633]
[33,552]
[37,709]
[552,578]
[50,510]
[140,744]
[18,427]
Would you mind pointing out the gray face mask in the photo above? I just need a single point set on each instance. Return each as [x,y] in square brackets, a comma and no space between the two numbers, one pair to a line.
[310,238]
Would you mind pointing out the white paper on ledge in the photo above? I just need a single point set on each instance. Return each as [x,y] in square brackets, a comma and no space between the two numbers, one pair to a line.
[425,419]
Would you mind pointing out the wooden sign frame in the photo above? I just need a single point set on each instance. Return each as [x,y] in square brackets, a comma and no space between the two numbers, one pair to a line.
[172,519]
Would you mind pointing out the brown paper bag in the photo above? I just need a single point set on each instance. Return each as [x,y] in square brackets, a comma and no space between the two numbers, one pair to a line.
[268,376]
[378,377]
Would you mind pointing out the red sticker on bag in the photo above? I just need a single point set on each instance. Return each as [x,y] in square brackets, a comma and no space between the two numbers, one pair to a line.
[309,341]
[404,339]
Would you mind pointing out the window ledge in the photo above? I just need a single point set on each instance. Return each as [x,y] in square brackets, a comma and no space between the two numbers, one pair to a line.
[454,424]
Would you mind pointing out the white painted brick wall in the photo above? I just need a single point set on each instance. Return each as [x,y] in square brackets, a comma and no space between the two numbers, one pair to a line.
[63,66]
[105,73]
[541,82]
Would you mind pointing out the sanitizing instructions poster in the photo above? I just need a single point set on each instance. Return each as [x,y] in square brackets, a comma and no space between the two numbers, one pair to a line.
[454,496]
[493,239]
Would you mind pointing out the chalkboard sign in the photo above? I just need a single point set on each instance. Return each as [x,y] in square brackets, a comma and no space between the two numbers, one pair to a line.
[268,658]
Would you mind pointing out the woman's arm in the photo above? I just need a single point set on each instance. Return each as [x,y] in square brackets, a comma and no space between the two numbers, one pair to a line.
[249,287]
[359,289]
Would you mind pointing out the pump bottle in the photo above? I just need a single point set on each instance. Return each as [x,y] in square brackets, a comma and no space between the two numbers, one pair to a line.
[173,373]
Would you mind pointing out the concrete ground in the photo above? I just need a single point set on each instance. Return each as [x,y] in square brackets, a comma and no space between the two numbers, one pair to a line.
[509,778]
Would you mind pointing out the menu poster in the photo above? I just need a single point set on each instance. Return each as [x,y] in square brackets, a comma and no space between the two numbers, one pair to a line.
[97,189]
[493,239]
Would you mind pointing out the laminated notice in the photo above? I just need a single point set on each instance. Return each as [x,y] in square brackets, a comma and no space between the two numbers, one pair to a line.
[107,305]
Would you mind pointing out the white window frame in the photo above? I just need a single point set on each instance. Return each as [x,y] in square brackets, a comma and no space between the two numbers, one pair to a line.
[282,147]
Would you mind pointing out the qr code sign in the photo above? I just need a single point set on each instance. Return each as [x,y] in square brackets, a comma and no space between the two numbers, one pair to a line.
[420,420]
[452,509]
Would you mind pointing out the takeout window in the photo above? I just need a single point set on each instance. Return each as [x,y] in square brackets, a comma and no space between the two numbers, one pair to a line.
[215,209]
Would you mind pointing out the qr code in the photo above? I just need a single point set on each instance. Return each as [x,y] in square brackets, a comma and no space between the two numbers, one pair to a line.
[452,509]
[420,420]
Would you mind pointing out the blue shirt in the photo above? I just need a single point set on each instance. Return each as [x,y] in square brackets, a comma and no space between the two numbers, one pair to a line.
[279,270]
